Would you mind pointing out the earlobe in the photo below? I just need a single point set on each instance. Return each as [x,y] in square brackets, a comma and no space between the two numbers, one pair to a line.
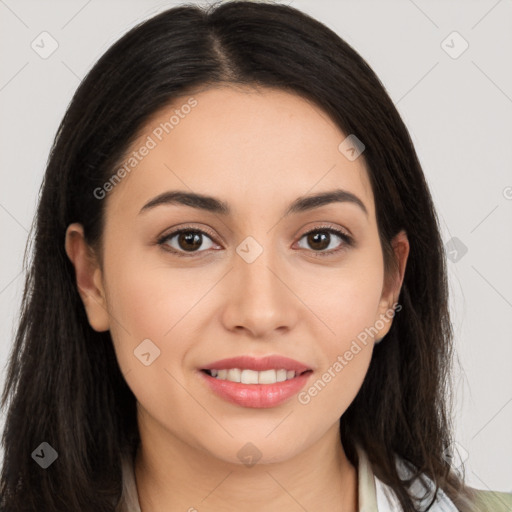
[88,277]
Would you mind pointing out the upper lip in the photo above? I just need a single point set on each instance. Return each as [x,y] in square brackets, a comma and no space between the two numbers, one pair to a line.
[271,362]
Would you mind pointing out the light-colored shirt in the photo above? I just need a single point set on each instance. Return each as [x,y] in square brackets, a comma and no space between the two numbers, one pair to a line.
[373,494]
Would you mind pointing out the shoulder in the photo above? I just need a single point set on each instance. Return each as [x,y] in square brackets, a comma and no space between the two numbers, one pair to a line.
[388,501]
[492,500]
[423,488]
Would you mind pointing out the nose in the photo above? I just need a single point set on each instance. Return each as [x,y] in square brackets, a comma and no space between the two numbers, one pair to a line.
[260,299]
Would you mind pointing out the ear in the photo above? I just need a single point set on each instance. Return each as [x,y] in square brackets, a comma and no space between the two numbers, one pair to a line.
[392,285]
[89,278]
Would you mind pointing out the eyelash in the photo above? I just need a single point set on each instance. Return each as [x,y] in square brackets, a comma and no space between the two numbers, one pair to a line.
[347,240]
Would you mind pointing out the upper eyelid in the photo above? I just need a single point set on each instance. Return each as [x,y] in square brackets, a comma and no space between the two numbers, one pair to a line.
[325,226]
[177,231]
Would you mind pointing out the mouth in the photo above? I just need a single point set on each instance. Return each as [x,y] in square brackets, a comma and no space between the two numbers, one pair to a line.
[256,382]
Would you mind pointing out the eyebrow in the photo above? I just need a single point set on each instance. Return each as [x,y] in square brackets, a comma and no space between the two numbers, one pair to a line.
[214,205]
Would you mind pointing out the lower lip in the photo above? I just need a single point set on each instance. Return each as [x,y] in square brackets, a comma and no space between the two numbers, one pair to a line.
[257,396]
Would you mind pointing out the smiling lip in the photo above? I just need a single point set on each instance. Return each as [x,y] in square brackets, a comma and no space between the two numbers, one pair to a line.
[257,396]
[258,364]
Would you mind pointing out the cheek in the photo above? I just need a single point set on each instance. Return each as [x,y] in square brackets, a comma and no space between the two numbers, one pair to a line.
[136,303]
[337,381]
[148,301]
[148,298]
[348,304]
[346,299]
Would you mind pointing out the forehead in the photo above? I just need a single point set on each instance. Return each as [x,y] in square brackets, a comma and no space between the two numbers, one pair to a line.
[250,147]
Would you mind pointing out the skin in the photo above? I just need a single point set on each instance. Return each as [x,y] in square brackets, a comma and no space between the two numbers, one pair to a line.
[214,305]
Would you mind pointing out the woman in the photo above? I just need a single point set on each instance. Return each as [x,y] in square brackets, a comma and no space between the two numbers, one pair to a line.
[237,277]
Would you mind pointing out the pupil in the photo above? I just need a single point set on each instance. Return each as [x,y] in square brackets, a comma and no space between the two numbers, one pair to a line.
[317,240]
[191,238]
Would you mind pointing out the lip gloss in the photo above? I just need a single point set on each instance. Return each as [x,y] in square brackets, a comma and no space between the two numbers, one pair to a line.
[256,396]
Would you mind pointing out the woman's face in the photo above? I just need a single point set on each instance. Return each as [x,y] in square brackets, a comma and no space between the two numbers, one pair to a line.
[254,285]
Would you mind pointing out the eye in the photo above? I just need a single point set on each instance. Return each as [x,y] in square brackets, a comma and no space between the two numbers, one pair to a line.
[320,239]
[185,240]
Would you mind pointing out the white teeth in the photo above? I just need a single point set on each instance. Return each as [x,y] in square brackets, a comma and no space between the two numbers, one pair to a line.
[252,376]
[234,375]
[281,375]
[267,377]
[249,377]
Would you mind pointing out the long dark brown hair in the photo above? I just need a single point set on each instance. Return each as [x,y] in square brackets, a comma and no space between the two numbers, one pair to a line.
[64,385]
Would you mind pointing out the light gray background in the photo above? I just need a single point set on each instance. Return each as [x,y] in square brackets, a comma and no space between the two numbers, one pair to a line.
[458,111]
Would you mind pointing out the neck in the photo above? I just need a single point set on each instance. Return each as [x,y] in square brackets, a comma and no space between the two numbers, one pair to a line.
[174,476]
